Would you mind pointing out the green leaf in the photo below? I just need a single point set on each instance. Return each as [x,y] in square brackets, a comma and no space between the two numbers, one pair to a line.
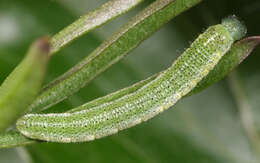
[22,86]
[90,21]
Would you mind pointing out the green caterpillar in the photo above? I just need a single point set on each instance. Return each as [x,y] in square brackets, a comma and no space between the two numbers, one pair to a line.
[152,98]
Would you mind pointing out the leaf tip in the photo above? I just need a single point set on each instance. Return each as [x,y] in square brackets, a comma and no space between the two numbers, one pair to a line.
[251,43]
[43,45]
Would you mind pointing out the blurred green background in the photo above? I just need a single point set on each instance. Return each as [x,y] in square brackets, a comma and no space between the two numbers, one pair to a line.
[204,128]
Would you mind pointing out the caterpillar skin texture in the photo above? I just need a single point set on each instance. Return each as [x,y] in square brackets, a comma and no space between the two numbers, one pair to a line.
[151,99]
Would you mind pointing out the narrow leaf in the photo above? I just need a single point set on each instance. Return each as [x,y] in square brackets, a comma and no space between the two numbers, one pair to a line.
[91,21]
[22,86]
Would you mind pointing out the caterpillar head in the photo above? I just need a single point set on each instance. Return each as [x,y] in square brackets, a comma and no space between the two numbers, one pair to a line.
[235,27]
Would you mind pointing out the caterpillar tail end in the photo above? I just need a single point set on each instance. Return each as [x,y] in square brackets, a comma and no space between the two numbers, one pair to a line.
[236,28]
